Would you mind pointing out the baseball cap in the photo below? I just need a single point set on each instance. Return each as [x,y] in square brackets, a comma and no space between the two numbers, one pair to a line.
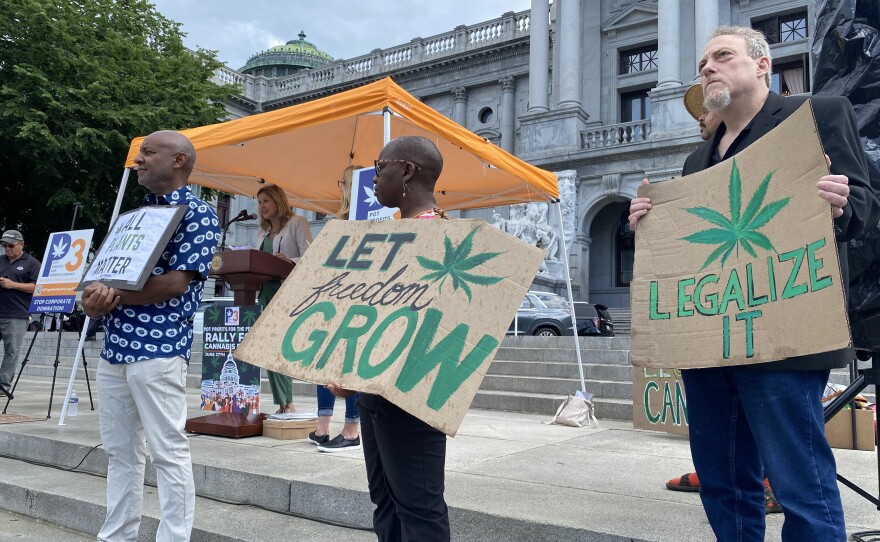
[12,236]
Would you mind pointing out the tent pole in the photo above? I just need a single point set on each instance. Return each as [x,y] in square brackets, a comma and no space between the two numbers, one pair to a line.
[386,126]
[85,326]
[577,343]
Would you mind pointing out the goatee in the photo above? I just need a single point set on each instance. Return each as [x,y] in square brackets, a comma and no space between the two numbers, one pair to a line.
[717,101]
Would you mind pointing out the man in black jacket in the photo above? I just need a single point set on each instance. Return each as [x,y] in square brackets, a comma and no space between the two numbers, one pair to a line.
[743,416]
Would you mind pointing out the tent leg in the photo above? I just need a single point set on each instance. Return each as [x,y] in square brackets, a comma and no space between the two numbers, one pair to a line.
[577,343]
[82,334]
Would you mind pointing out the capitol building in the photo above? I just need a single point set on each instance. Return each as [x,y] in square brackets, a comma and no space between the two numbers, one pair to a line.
[589,89]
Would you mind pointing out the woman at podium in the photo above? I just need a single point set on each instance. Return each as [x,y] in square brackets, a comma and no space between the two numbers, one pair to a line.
[285,236]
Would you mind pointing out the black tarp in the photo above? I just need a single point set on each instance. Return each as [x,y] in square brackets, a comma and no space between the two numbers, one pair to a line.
[846,60]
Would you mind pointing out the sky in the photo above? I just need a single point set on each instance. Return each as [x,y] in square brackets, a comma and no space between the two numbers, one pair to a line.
[344,29]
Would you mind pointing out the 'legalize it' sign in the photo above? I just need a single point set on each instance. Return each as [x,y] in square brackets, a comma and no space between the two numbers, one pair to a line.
[733,264]
[412,310]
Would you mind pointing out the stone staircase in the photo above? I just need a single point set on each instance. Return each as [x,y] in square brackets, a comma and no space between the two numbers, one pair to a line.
[622,317]
[529,374]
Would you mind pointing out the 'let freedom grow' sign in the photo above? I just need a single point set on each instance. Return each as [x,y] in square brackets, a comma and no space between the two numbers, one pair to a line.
[733,263]
[412,310]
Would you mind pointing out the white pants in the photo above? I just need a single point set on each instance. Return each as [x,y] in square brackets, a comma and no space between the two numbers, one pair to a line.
[145,398]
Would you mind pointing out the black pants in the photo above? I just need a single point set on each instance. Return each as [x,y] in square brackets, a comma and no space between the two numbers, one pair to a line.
[405,460]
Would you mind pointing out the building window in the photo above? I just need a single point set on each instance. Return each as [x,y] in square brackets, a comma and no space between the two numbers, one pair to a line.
[638,60]
[486,115]
[783,28]
[223,201]
[626,250]
[790,78]
[635,106]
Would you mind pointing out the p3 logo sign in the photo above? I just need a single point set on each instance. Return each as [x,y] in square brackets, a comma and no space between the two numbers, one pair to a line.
[64,251]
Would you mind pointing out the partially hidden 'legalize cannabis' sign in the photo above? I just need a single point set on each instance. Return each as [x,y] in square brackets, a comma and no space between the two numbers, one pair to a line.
[738,264]
[412,310]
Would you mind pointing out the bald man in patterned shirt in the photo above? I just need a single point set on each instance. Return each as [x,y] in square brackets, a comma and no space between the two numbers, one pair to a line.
[142,378]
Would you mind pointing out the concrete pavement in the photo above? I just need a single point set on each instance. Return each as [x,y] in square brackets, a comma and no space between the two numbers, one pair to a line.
[509,477]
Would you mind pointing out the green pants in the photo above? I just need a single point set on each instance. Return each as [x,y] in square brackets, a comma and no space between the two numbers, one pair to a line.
[282,388]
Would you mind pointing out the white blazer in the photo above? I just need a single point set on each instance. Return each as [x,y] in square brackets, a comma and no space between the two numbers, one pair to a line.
[293,239]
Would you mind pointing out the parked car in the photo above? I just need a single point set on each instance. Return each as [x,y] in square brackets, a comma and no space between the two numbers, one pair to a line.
[199,318]
[593,319]
[542,313]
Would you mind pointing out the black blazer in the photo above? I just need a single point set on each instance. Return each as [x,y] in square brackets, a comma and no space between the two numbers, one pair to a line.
[840,139]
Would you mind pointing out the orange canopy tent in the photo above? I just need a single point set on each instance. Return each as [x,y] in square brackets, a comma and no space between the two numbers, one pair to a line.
[305,148]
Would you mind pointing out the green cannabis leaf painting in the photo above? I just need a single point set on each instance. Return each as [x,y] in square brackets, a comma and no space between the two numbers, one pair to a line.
[741,229]
[457,264]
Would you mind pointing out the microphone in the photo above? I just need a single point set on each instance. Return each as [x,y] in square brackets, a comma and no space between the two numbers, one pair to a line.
[243,215]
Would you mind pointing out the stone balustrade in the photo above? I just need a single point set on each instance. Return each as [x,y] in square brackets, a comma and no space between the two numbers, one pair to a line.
[462,39]
[613,135]
[225,76]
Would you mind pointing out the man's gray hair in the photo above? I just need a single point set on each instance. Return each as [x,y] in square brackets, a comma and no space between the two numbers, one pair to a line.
[756,44]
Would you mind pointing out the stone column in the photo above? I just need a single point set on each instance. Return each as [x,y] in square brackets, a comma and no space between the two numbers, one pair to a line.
[668,43]
[570,53]
[459,108]
[592,63]
[507,113]
[705,21]
[539,56]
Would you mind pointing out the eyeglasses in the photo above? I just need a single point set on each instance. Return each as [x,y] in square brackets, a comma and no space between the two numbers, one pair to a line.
[376,164]
[4,244]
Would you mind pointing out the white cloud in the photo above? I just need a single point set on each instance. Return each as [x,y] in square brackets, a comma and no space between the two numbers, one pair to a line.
[342,28]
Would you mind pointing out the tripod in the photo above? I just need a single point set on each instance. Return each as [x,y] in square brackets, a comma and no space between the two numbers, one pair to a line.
[867,377]
[57,362]
[55,371]
[10,394]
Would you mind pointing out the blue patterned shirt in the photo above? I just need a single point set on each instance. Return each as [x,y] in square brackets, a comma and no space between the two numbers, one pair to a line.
[163,330]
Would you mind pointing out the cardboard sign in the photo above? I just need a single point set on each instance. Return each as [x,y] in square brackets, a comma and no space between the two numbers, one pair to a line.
[412,310]
[228,385]
[738,264]
[63,266]
[133,246]
[364,205]
[659,402]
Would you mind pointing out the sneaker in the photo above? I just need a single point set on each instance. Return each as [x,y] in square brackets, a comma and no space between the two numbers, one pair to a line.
[339,444]
[316,439]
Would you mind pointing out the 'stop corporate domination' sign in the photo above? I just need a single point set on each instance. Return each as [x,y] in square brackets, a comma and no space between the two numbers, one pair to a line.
[412,310]
[733,263]
[62,269]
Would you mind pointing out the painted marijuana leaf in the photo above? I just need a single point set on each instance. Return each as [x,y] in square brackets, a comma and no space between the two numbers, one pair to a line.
[741,229]
[457,262]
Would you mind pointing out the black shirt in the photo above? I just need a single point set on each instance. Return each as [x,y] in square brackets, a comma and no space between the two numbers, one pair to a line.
[15,303]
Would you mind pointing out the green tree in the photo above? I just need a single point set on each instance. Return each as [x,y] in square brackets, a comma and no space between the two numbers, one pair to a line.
[79,79]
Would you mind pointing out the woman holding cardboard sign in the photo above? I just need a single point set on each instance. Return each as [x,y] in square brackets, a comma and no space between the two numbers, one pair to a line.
[405,457]
[287,236]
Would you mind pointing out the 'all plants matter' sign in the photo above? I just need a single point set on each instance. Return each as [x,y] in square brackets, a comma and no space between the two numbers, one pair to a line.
[738,264]
[412,310]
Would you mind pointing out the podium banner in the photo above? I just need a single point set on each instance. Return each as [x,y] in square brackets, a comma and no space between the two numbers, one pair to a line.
[412,310]
[228,385]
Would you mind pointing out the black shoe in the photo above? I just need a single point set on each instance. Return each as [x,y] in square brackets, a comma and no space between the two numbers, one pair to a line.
[315,439]
[91,338]
[6,390]
[340,444]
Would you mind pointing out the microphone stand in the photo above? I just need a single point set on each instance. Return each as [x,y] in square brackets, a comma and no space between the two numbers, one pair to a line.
[241,216]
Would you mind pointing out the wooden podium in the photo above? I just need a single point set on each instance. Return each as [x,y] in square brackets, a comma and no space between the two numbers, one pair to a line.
[244,271]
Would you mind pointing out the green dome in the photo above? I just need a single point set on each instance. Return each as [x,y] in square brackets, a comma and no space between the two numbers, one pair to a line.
[287,59]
